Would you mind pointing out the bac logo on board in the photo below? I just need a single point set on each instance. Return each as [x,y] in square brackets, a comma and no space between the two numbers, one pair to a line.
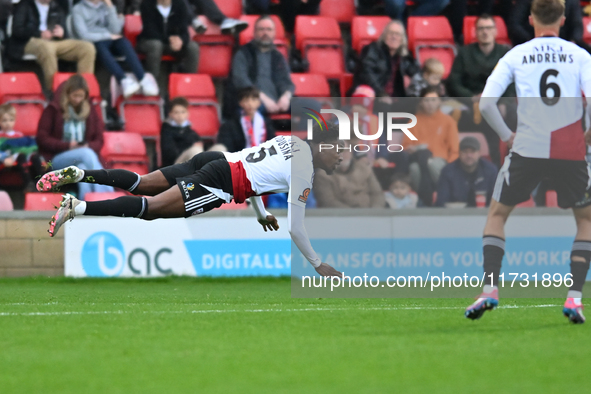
[103,255]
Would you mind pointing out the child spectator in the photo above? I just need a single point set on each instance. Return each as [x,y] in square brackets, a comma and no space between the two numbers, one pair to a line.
[247,129]
[179,142]
[399,195]
[431,75]
[17,152]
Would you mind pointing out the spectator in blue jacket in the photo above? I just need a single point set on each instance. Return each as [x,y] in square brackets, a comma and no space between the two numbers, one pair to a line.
[467,176]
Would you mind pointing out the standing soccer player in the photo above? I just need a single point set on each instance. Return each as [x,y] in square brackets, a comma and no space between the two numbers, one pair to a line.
[549,74]
[210,179]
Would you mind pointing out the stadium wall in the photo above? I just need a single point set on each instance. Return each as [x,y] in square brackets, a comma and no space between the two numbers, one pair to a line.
[25,246]
[26,249]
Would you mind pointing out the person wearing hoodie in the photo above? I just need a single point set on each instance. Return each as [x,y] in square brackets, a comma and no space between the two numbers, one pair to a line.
[97,21]
[178,141]
[166,31]
[70,132]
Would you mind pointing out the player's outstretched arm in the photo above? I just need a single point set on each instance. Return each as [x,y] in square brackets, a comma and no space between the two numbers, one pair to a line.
[295,226]
[264,217]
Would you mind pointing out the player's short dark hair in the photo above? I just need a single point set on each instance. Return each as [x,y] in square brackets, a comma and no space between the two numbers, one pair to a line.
[547,12]
[428,90]
[248,92]
[485,17]
[325,134]
[400,177]
[183,102]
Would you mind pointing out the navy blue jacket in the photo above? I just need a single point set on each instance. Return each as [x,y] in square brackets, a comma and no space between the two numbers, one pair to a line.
[455,186]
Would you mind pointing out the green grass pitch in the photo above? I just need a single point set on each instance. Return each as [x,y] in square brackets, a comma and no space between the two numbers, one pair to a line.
[191,335]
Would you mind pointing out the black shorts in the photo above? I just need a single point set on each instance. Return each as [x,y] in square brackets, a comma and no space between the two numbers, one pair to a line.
[520,175]
[205,181]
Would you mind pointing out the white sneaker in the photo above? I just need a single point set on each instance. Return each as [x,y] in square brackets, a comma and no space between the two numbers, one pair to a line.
[199,26]
[149,85]
[65,212]
[129,86]
[230,26]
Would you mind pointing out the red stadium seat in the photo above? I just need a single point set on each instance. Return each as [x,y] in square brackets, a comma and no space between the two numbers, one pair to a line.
[310,85]
[204,110]
[342,10]
[42,201]
[280,41]
[484,150]
[98,196]
[125,150]
[470,30]
[367,29]
[431,36]
[234,206]
[319,40]
[23,91]
[551,199]
[215,55]
[230,8]
[5,202]
[587,29]
[143,115]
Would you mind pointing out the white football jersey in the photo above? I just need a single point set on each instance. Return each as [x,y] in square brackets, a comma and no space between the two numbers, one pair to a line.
[549,74]
[280,165]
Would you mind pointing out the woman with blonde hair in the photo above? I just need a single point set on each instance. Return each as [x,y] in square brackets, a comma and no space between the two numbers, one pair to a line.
[70,131]
[385,62]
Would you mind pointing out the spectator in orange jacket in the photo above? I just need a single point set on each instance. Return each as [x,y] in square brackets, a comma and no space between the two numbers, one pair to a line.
[437,144]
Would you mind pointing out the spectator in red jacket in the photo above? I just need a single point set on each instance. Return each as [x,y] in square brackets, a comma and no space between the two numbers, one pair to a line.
[70,131]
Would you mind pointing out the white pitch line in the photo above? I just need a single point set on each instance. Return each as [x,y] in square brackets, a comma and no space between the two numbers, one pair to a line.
[66,313]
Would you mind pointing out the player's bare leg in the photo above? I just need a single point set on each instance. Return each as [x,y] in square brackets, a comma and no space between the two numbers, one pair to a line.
[579,265]
[493,250]
[148,185]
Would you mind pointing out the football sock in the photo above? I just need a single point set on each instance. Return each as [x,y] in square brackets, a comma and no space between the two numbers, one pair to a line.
[122,179]
[493,250]
[579,269]
[128,206]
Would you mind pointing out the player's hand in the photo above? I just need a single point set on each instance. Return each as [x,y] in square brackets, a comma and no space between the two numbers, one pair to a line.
[269,223]
[327,270]
[46,35]
[511,139]
[58,31]
[176,43]
[588,137]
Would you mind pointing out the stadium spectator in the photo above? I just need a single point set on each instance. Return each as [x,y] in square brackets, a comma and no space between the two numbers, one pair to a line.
[395,9]
[352,185]
[71,131]
[18,153]
[210,9]
[520,30]
[399,195]
[290,9]
[258,63]
[431,75]
[97,21]
[385,62]
[179,142]
[38,29]
[249,128]
[436,145]
[466,177]
[165,31]
[458,9]
[468,75]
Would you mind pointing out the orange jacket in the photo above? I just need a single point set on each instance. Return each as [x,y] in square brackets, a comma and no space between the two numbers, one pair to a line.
[439,131]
